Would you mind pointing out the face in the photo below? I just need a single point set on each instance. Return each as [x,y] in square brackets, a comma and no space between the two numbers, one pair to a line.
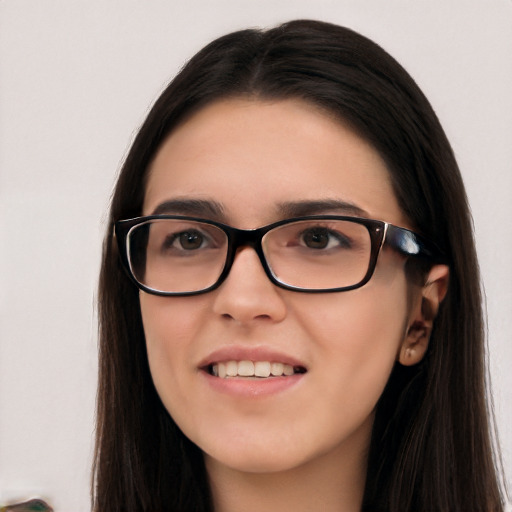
[251,163]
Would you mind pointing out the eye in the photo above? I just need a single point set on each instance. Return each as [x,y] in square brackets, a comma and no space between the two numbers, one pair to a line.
[323,238]
[186,240]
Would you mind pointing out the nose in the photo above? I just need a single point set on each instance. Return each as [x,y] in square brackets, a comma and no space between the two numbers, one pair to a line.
[247,294]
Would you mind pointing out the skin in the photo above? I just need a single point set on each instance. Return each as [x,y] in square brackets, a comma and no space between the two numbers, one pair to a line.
[303,448]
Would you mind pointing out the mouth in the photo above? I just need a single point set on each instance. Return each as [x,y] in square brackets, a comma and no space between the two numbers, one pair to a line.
[252,369]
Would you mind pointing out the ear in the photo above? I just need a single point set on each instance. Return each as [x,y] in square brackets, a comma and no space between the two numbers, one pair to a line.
[424,311]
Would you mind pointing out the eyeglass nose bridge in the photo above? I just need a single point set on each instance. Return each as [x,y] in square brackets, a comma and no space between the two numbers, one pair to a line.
[241,238]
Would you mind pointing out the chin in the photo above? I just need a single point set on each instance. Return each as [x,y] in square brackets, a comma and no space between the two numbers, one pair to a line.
[255,462]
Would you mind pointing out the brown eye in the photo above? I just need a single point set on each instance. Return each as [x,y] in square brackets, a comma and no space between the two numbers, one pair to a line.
[319,237]
[189,240]
[316,238]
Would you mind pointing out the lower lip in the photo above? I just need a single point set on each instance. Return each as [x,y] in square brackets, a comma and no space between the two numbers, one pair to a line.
[252,387]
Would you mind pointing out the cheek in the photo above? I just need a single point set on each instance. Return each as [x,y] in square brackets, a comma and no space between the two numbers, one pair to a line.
[357,337]
[167,320]
[169,325]
[363,321]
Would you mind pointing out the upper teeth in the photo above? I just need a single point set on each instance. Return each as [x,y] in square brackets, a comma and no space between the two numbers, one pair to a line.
[251,369]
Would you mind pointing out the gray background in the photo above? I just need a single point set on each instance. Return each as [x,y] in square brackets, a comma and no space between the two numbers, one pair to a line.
[77,78]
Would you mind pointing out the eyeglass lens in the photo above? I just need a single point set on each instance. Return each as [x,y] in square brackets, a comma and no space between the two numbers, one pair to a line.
[179,256]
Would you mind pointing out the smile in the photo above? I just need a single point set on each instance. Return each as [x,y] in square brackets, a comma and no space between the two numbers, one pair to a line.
[253,369]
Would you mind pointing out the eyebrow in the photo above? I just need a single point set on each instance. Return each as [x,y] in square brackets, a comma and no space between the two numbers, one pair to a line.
[317,207]
[192,207]
[214,210]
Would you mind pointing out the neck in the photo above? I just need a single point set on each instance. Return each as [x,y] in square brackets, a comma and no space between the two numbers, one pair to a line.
[331,482]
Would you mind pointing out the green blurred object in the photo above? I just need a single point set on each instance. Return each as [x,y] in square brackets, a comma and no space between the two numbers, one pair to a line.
[34,505]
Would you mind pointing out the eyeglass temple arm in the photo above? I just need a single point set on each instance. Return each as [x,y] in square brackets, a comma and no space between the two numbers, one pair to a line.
[411,244]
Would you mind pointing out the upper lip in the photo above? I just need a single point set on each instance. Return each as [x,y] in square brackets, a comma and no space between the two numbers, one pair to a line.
[243,353]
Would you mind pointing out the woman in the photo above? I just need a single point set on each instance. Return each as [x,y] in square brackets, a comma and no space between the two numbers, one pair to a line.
[298,323]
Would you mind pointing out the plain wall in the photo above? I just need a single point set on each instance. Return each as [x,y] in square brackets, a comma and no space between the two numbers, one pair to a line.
[76,80]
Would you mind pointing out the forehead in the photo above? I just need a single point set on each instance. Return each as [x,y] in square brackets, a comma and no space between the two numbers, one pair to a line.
[251,156]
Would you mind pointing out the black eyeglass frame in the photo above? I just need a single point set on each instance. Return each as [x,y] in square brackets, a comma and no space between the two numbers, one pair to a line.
[403,240]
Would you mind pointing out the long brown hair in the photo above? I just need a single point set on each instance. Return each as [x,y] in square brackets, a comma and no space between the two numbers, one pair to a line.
[431,446]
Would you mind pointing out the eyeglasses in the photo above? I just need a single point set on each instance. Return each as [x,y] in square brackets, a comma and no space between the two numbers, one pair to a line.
[177,255]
